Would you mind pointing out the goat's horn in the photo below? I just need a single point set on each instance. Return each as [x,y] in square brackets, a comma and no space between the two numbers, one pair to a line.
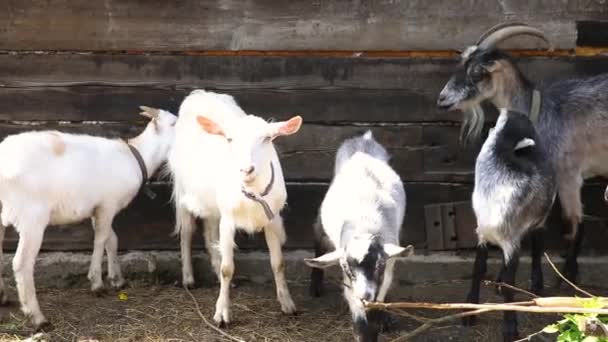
[511,31]
[496,28]
[149,112]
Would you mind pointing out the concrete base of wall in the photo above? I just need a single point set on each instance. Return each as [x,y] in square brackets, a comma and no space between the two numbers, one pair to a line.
[61,269]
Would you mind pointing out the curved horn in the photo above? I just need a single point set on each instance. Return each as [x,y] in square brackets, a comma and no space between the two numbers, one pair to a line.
[496,28]
[511,31]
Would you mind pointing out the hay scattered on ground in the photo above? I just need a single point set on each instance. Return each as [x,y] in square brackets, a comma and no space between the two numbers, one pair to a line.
[167,313]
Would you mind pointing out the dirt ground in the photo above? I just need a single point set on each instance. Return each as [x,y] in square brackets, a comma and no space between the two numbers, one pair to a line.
[164,312]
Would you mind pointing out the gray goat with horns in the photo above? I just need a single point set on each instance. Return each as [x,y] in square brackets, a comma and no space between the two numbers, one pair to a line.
[570,117]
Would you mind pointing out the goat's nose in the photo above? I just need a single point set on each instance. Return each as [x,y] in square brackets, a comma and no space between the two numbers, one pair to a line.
[248,170]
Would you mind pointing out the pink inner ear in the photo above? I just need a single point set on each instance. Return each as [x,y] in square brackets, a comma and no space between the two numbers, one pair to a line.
[290,126]
[209,126]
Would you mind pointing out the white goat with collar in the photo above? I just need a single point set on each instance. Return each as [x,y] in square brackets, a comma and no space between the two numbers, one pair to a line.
[226,171]
[50,178]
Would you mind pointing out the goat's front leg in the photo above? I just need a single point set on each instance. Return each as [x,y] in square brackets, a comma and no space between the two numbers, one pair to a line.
[211,234]
[102,225]
[479,271]
[275,238]
[509,327]
[114,273]
[537,246]
[222,306]
[30,240]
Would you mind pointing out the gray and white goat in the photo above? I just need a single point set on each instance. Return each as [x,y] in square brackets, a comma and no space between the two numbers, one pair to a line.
[571,117]
[514,191]
[359,226]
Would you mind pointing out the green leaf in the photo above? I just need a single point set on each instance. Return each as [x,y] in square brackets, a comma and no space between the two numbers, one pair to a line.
[551,329]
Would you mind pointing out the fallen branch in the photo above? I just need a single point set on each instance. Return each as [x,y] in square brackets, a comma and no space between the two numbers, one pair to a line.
[432,322]
[566,279]
[516,289]
[530,306]
[209,324]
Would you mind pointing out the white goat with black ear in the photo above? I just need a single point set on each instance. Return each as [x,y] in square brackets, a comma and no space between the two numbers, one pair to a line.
[226,171]
[515,188]
[360,219]
[50,178]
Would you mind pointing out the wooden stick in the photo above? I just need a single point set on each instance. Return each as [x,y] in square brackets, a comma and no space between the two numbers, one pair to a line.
[432,322]
[522,307]
[514,288]
[566,279]
[200,314]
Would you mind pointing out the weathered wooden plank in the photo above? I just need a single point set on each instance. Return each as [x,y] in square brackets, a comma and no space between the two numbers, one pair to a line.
[108,88]
[254,72]
[147,224]
[266,25]
[309,155]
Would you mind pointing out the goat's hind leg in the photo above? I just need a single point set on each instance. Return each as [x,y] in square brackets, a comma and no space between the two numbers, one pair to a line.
[479,271]
[30,240]
[275,238]
[509,331]
[569,194]
[185,224]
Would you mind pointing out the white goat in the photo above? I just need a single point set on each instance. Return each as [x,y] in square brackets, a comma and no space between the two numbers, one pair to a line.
[49,178]
[225,170]
[360,220]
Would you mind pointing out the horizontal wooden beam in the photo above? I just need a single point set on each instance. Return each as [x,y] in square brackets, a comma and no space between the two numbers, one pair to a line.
[148,224]
[419,152]
[268,25]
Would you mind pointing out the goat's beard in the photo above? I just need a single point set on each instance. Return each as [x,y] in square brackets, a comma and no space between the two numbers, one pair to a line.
[472,124]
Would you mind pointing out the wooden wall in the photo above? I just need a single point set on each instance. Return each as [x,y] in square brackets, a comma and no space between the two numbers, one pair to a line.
[345,66]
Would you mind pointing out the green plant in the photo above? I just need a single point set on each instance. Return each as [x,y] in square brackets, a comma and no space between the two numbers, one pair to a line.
[574,327]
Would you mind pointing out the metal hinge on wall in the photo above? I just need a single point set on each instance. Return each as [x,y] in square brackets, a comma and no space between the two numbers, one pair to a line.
[450,225]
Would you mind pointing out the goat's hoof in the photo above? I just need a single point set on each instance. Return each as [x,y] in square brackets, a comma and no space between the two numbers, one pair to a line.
[118,284]
[188,285]
[44,326]
[222,318]
[288,307]
[469,321]
[99,291]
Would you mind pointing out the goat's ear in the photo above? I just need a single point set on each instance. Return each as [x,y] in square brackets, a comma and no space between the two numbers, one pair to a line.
[149,112]
[210,126]
[325,260]
[393,250]
[288,127]
[523,143]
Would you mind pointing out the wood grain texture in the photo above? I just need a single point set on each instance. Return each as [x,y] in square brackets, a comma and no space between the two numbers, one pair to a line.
[325,90]
[268,25]
[147,224]
[417,155]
